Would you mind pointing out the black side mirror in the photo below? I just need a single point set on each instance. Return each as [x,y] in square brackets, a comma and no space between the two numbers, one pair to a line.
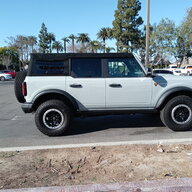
[150,72]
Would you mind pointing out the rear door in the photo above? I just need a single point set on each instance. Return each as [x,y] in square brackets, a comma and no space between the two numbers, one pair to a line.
[86,83]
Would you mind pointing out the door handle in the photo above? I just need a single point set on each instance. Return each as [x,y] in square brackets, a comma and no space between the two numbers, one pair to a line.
[76,85]
[115,85]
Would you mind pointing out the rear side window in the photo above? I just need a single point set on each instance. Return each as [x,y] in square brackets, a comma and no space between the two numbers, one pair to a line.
[86,67]
[49,68]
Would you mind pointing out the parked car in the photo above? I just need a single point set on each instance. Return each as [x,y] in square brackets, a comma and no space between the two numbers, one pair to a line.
[5,76]
[162,72]
[59,87]
[172,67]
[12,73]
[187,70]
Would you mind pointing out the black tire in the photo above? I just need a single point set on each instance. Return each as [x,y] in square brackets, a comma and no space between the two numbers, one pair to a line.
[19,78]
[177,113]
[53,118]
[2,78]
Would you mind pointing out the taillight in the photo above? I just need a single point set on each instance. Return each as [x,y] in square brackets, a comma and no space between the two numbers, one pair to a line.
[24,89]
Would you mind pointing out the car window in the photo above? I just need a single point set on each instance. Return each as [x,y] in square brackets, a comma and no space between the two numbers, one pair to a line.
[128,67]
[48,68]
[86,67]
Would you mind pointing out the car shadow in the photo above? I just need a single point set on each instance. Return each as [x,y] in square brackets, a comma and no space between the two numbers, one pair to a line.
[94,124]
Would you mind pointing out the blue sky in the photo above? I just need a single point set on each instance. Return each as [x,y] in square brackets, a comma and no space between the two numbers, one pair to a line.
[64,17]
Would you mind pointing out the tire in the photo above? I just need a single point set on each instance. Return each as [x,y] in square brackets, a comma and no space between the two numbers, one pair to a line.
[53,118]
[177,113]
[19,78]
[2,78]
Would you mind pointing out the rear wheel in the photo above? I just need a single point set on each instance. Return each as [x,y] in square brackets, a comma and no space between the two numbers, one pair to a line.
[53,117]
[177,114]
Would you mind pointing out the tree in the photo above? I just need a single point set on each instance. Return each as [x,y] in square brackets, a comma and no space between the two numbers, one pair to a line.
[73,37]
[109,49]
[104,34]
[83,38]
[184,43]
[94,46]
[126,25]
[57,46]
[32,40]
[43,39]
[8,56]
[65,41]
[163,38]
[51,38]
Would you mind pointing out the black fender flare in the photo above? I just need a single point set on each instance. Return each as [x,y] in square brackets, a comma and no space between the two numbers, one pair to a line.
[57,91]
[168,93]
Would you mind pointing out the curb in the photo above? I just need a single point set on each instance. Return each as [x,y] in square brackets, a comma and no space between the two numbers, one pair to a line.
[170,185]
[141,142]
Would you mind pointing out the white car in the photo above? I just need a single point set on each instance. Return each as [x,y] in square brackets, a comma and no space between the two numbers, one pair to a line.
[4,76]
[162,72]
[186,70]
[58,87]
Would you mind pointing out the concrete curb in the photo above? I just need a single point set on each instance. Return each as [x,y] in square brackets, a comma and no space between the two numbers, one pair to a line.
[170,185]
[142,142]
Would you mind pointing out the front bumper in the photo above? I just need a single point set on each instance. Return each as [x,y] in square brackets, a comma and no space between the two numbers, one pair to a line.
[27,107]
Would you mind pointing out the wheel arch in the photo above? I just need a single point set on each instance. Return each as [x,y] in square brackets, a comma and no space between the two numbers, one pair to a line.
[55,94]
[167,96]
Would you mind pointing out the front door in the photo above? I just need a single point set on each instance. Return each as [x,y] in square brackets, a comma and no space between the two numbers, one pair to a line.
[126,84]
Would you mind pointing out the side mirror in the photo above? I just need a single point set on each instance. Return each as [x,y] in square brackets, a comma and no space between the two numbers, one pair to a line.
[150,72]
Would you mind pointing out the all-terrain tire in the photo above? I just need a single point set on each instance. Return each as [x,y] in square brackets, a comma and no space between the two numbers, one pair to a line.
[53,118]
[177,113]
[19,78]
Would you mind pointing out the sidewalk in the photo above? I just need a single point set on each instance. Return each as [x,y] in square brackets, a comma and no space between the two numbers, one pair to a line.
[171,185]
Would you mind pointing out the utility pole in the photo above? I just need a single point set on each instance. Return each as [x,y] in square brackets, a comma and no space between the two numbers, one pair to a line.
[147,34]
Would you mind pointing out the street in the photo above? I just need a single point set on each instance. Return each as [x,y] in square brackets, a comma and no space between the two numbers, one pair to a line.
[19,130]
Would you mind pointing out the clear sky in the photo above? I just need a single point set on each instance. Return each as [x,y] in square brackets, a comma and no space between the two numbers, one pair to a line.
[64,17]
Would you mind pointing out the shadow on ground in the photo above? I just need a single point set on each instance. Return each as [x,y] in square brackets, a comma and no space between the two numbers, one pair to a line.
[94,124]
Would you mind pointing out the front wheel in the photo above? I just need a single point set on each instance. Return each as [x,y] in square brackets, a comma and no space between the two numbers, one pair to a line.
[177,113]
[53,117]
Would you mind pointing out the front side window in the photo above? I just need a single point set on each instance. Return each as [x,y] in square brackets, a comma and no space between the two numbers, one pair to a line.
[86,67]
[128,67]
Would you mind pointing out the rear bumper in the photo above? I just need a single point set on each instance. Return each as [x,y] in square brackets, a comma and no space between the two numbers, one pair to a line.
[27,107]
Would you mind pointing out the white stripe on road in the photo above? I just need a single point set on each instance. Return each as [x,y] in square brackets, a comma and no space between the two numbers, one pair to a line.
[144,142]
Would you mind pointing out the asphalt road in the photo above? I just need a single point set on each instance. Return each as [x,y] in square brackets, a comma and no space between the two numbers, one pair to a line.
[18,129]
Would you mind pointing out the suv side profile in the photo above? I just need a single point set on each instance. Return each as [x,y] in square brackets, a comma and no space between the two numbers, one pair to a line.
[58,87]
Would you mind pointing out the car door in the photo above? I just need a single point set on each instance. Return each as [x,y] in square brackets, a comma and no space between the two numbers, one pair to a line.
[86,83]
[126,84]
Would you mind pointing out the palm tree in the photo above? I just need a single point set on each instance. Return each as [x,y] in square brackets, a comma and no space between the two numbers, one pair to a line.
[104,34]
[65,41]
[109,49]
[83,38]
[57,46]
[32,42]
[94,45]
[73,37]
[51,38]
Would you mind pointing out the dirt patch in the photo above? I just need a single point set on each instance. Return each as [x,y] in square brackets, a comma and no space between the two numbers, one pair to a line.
[59,167]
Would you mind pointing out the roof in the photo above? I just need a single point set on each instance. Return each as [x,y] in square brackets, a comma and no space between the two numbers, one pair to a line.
[59,56]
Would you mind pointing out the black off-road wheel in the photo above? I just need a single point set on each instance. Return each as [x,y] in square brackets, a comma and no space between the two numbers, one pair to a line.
[177,113]
[53,118]
[19,78]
